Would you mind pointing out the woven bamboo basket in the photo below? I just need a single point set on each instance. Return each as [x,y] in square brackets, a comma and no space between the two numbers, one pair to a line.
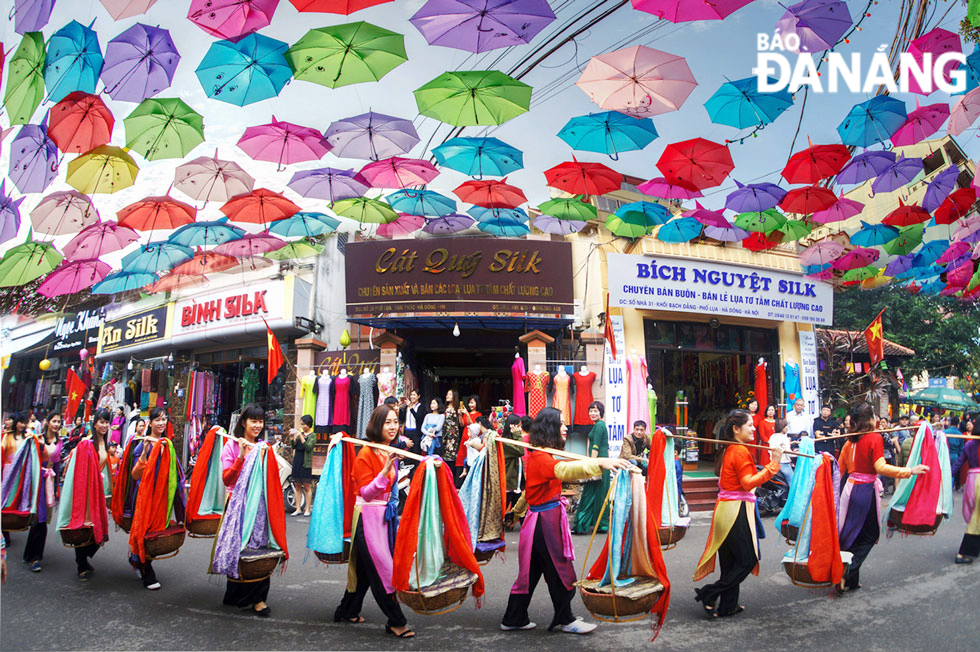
[483,557]
[799,573]
[790,532]
[253,567]
[125,523]
[204,526]
[895,522]
[670,535]
[77,538]
[336,558]
[165,543]
[616,607]
[15,522]
[442,602]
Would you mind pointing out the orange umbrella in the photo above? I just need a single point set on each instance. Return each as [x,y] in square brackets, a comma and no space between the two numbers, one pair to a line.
[491,194]
[174,281]
[80,122]
[205,262]
[260,206]
[160,212]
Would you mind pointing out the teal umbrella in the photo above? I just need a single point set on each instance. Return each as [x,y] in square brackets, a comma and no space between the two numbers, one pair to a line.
[122,282]
[942,397]
[156,257]
[681,229]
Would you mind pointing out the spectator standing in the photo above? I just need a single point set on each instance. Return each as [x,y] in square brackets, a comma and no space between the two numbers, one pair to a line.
[826,426]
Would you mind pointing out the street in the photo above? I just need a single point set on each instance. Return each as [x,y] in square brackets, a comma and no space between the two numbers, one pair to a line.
[914,598]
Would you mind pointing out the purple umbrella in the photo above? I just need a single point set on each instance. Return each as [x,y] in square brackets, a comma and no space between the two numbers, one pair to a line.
[841,209]
[550,224]
[754,198]
[371,136]
[866,165]
[139,63]
[482,25]
[31,15]
[898,175]
[33,159]
[254,244]
[939,188]
[99,239]
[899,265]
[729,234]
[448,224]
[329,183]
[818,23]
[9,214]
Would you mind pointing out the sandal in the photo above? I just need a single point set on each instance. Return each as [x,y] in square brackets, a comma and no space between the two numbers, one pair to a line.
[963,559]
[737,611]
[354,620]
[709,608]
[408,633]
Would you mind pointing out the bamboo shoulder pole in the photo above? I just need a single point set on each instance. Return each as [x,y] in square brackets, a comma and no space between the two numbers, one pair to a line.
[728,442]
[912,428]
[555,451]
[384,447]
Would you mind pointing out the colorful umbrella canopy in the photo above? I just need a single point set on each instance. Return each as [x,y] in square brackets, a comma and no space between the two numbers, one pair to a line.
[295,250]
[708,218]
[610,133]
[254,244]
[660,187]
[304,224]
[504,228]
[680,229]
[477,157]
[818,23]
[872,235]
[80,122]
[899,174]
[421,202]
[398,172]
[27,261]
[73,62]
[243,72]
[582,178]
[153,213]
[482,25]
[971,69]
[156,257]
[261,206]
[557,226]
[123,281]
[329,183]
[120,9]
[350,53]
[199,234]
[211,179]
[921,123]
[163,128]
[858,257]
[365,210]
[956,250]
[754,197]
[899,265]
[33,159]
[371,136]
[939,188]
[173,281]
[740,104]
[345,7]
[405,225]
[31,15]
[936,42]
[491,194]
[283,143]
[639,81]
[696,163]
[859,274]
[9,214]
[98,240]
[680,11]
[569,208]
[730,234]
[872,121]
[815,163]
[507,222]
[841,209]
[964,113]
[905,215]
[957,205]
[759,241]
[637,219]
[448,224]
[968,228]
[821,253]
[139,63]
[69,207]
[25,79]
[205,262]
[105,169]
[808,200]
[230,19]
[765,221]
[473,97]
[909,237]
[866,165]
[72,277]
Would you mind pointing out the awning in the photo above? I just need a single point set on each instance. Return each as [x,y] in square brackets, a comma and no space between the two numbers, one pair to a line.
[26,344]
[490,322]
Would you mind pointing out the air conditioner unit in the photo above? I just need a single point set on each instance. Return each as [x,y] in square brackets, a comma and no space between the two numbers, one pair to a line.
[578,312]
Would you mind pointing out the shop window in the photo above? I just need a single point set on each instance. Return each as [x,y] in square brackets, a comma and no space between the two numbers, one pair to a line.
[659,333]
[695,336]
[727,338]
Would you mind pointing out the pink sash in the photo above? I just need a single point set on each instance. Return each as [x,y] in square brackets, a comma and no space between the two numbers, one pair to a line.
[729,494]
[863,478]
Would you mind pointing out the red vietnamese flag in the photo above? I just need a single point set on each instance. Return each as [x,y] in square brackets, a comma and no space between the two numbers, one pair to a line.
[608,332]
[275,354]
[875,338]
[75,393]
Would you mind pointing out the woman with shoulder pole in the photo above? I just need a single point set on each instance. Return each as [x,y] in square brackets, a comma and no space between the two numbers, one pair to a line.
[969,459]
[735,525]
[545,547]
[594,493]
[302,472]
[50,465]
[97,434]
[860,501]
[374,526]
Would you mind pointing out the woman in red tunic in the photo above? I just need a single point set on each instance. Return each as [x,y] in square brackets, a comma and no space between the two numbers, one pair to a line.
[765,428]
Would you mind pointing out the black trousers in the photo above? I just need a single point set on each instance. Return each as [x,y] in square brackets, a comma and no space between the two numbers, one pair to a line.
[561,598]
[862,545]
[737,559]
[367,577]
[83,554]
[970,545]
[245,594]
[34,548]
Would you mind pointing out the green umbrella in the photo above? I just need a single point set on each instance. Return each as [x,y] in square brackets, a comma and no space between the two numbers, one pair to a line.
[473,97]
[909,237]
[626,229]
[860,274]
[974,282]
[765,221]
[942,397]
[163,128]
[350,53]
[26,262]
[795,229]
[365,211]
[569,208]
[298,249]
[25,79]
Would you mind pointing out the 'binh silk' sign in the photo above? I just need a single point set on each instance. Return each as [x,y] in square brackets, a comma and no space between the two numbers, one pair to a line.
[213,310]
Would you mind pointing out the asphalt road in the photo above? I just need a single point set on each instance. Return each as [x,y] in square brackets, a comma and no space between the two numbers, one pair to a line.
[914,598]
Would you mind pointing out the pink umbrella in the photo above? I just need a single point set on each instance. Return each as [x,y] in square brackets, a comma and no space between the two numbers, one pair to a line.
[120,9]
[398,172]
[254,244]
[405,225]
[660,187]
[841,209]
[857,257]
[936,42]
[72,277]
[821,253]
[822,275]
[638,80]
[964,113]
[211,179]
[99,239]
[708,218]
[680,11]
[967,228]
[960,275]
[230,19]
[63,212]
[283,143]
[921,123]
[955,250]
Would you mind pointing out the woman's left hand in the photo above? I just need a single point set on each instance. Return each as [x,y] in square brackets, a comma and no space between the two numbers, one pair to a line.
[613,463]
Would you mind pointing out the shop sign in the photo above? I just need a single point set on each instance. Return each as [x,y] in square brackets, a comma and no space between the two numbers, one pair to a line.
[355,361]
[487,275]
[938,382]
[616,394]
[697,286]
[82,331]
[809,373]
[230,308]
[138,328]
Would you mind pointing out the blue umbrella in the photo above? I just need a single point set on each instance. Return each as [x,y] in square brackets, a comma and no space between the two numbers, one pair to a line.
[33,159]
[74,61]
[482,214]
[243,72]
[304,224]
[939,188]
[609,133]
[866,165]
[504,227]
[873,121]
[123,281]
[754,197]
[933,287]
[815,269]
[9,214]
[477,157]
[643,214]
[898,175]
[930,252]
[156,257]
[421,202]
[972,69]
[871,235]
[199,234]
[682,229]
[739,104]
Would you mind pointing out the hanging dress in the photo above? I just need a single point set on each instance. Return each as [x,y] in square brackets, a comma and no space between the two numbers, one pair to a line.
[637,407]
[365,406]
[322,417]
[341,404]
[761,385]
[517,375]
[583,397]
[306,384]
[537,384]
[386,387]
[562,401]
[791,382]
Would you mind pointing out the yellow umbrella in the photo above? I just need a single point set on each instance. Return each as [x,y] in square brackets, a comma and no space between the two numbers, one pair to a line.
[876,281]
[104,169]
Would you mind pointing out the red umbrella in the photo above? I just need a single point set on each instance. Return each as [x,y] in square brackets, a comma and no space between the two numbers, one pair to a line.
[906,215]
[815,163]
[758,241]
[808,199]
[205,262]
[857,257]
[160,212]
[396,172]
[491,194]
[579,178]
[346,7]
[696,163]
[956,205]
[260,206]
[80,123]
